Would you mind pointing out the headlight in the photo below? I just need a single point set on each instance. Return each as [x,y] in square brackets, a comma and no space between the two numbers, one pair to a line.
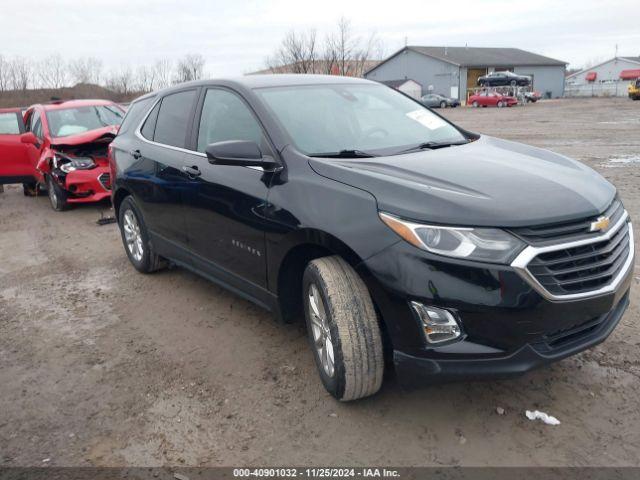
[68,164]
[481,244]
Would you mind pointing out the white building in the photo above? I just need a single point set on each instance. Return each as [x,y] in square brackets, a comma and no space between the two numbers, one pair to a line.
[609,78]
[408,86]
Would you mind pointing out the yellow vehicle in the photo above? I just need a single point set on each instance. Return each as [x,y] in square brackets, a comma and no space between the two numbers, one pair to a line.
[634,89]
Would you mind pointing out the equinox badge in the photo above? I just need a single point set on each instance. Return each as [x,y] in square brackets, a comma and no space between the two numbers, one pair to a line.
[600,225]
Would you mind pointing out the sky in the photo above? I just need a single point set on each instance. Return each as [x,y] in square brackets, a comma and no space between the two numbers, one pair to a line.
[235,36]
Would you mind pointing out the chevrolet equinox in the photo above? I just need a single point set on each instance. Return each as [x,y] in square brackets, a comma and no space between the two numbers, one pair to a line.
[398,235]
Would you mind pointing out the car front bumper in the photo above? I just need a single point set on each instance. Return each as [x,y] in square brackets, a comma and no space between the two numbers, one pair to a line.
[508,326]
[415,371]
[87,186]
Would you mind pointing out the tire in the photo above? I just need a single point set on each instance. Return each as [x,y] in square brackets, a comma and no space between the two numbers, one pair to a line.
[341,320]
[514,83]
[475,104]
[443,104]
[500,104]
[136,239]
[57,196]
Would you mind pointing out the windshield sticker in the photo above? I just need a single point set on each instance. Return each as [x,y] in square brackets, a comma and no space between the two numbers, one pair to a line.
[427,119]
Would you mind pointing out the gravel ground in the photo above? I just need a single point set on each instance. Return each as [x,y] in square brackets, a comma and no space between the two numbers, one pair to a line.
[100,365]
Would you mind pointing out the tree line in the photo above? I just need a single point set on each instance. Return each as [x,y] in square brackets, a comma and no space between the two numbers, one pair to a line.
[341,52]
[54,72]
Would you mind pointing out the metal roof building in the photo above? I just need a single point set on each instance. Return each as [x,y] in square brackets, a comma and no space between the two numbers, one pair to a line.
[608,78]
[452,71]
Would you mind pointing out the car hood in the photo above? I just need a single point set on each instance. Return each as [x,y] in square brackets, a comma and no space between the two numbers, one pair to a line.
[105,134]
[488,182]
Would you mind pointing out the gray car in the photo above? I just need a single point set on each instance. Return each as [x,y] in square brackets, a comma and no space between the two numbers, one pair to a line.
[439,101]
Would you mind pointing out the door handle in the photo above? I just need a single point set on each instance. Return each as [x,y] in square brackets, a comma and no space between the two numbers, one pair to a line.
[192,172]
[135,154]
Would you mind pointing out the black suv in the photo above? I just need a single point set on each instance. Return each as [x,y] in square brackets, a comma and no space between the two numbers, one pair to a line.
[499,79]
[398,235]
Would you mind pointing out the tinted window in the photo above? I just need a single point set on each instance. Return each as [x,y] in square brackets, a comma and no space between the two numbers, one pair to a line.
[173,117]
[134,113]
[9,124]
[226,117]
[150,123]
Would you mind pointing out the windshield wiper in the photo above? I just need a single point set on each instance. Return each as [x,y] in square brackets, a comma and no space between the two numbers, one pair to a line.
[431,146]
[344,154]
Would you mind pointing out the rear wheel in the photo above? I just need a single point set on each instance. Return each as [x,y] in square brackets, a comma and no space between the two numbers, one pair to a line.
[475,104]
[343,329]
[136,238]
[500,104]
[443,104]
[57,196]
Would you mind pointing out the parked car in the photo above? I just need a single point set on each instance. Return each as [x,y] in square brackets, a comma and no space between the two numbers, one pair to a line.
[61,147]
[498,79]
[395,233]
[491,99]
[532,97]
[433,100]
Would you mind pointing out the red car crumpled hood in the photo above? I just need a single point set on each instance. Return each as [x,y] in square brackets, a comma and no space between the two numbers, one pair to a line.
[105,134]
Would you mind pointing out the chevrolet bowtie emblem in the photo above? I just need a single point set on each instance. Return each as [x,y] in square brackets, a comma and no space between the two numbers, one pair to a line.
[600,225]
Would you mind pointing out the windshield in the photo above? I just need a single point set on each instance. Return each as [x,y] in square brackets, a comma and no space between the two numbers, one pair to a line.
[366,117]
[71,121]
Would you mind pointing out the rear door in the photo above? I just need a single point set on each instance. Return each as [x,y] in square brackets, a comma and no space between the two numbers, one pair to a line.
[15,164]
[157,176]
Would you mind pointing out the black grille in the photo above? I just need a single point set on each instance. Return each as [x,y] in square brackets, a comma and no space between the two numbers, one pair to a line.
[105,181]
[584,268]
[568,231]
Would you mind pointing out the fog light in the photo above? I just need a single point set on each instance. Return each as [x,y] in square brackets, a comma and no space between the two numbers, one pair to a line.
[439,324]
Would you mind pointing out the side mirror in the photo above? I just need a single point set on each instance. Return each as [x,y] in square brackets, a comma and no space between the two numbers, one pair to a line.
[243,153]
[29,137]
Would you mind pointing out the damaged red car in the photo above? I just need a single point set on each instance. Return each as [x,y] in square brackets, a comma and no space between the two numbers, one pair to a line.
[60,147]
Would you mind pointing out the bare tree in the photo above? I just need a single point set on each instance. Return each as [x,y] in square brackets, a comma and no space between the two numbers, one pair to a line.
[298,53]
[162,69]
[145,78]
[53,72]
[86,70]
[341,53]
[20,73]
[121,80]
[5,77]
[190,67]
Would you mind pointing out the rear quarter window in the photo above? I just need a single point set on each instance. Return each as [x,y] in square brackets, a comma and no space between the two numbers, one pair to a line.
[134,113]
[9,124]
[173,118]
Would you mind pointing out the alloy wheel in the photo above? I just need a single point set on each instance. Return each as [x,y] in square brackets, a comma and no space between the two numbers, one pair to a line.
[133,236]
[320,330]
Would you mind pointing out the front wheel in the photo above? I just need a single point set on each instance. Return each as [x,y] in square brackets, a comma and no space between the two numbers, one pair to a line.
[136,239]
[57,196]
[500,104]
[343,329]
[443,104]
[475,104]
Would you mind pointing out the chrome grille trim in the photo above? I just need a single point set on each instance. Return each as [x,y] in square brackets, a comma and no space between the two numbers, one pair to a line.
[521,263]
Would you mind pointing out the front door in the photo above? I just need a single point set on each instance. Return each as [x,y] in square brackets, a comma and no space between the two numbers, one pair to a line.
[225,210]
[15,163]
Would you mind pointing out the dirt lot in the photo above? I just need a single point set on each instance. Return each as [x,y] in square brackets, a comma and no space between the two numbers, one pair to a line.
[100,365]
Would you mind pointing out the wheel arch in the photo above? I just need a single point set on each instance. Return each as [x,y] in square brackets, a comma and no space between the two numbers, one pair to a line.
[120,194]
[305,245]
